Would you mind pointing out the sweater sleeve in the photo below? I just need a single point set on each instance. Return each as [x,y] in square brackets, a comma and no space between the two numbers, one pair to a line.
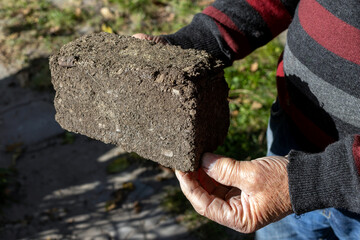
[326,179]
[231,29]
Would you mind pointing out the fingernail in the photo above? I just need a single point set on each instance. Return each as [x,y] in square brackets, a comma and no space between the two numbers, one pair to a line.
[209,160]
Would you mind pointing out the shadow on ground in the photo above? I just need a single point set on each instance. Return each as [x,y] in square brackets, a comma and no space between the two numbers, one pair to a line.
[61,189]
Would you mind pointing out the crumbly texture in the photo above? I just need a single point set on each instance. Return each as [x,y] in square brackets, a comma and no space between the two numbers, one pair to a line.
[165,103]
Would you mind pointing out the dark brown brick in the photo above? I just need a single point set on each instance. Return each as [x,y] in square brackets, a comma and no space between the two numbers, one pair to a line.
[165,103]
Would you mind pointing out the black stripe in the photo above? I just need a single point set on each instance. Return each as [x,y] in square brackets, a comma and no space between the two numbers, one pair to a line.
[290,5]
[247,19]
[309,106]
[348,10]
[333,69]
[329,123]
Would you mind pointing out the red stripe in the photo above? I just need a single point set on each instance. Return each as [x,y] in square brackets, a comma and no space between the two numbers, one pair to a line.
[329,31]
[274,14]
[234,38]
[356,152]
[311,131]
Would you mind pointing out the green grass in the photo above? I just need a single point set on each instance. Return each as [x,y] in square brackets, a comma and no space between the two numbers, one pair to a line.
[252,91]
[36,28]
[40,15]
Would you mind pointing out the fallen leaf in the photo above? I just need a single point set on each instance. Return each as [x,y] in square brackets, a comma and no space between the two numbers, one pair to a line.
[78,12]
[128,186]
[110,205]
[107,29]
[119,196]
[256,105]
[54,29]
[254,67]
[13,147]
[25,11]
[170,17]
[106,13]
[234,113]
[246,101]
[137,207]
[13,36]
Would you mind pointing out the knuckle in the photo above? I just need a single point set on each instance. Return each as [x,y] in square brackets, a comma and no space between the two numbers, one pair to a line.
[226,168]
[256,175]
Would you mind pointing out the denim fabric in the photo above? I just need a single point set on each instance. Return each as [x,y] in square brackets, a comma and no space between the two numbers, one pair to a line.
[324,224]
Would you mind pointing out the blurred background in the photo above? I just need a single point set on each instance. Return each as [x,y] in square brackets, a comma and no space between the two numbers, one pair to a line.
[59,185]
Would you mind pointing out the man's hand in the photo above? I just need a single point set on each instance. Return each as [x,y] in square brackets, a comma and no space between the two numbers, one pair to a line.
[242,195]
[157,39]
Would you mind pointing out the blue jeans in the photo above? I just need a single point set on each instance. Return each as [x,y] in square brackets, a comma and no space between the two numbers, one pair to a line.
[328,223]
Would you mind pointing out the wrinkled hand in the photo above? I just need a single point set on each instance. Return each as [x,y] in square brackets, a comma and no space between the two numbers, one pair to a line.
[156,39]
[242,195]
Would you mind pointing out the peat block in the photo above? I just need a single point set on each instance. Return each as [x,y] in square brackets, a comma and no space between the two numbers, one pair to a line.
[165,103]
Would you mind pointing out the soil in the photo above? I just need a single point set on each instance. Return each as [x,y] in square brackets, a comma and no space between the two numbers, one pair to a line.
[165,103]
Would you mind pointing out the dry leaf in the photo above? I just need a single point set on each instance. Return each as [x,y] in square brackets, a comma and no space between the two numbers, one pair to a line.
[234,113]
[256,105]
[254,67]
[54,29]
[78,12]
[110,205]
[106,13]
[107,29]
[14,147]
[25,11]
[137,207]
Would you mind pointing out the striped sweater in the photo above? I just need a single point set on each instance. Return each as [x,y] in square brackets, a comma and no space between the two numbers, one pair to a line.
[318,81]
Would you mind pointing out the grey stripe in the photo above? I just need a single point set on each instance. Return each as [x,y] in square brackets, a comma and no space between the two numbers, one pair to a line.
[347,11]
[344,129]
[335,70]
[335,101]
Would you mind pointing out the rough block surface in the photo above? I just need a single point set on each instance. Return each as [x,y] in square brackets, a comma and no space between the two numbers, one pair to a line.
[165,103]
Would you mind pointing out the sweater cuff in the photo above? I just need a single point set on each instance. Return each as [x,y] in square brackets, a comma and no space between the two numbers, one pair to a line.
[202,34]
[327,179]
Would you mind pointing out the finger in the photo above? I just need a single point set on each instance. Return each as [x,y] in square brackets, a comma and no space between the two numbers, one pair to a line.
[233,192]
[159,39]
[156,39]
[224,170]
[212,207]
[209,184]
[198,197]
[141,36]
[205,204]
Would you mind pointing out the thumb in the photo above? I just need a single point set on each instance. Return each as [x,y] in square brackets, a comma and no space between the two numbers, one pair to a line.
[142,36]
[156,39]
[224,170]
